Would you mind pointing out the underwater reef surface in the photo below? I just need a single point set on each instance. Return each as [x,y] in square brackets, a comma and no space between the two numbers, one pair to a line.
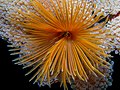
[70,43]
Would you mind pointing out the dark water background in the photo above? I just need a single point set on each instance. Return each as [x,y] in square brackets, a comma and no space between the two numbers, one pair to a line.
[12,76]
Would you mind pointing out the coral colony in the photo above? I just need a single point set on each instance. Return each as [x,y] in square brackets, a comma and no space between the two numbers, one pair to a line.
[66,41]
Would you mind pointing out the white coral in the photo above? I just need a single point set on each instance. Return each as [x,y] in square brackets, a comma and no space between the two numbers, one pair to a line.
[108,6]
[114,27]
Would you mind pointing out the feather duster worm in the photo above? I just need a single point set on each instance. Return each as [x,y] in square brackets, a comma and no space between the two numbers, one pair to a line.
[60,39]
